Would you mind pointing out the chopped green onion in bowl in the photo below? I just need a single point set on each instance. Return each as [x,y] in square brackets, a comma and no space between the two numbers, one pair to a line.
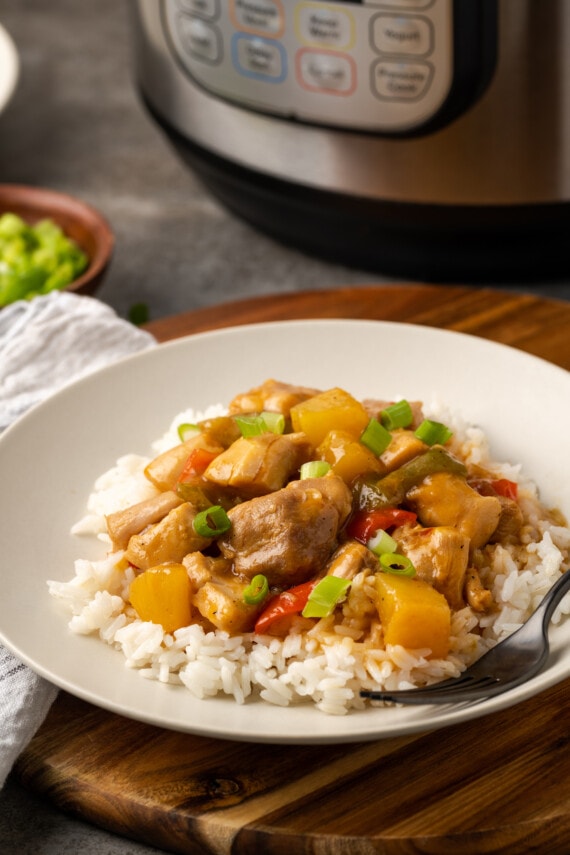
[36,259]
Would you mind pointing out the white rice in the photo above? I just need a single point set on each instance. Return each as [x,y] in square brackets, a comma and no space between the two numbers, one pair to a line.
[329,664]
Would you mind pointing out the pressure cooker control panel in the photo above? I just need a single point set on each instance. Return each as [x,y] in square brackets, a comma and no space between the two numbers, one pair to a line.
[387,66]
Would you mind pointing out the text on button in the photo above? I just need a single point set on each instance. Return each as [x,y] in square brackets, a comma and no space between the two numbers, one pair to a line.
[401,81]
[326,72]
[200,39]
[259,58]
[324,26]
[262,17]
[402,34]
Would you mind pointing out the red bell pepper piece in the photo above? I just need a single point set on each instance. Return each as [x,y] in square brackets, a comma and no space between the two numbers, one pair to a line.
[363,525]
[289,602]
[198,461]
[504,487]
[496,487]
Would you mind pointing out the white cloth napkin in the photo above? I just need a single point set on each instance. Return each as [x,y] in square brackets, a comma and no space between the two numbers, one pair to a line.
[45,344]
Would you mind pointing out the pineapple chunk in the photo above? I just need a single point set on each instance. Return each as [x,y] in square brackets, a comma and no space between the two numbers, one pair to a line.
[413,614]
[334,409]
[162,595]
[347,456]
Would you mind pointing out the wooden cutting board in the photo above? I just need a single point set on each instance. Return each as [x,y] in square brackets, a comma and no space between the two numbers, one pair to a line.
[500,784]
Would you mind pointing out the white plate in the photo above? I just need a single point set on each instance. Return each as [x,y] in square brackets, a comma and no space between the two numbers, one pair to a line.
[51,457]
[9,67]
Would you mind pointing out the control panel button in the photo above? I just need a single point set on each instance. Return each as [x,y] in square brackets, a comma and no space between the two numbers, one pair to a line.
[261,17]
[326,72]
[200,39]
[259,58]
[401,81]
[402,34]
[206,8]
[325,26]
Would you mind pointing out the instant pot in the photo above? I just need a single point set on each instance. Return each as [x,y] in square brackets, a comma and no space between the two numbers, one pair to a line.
[422,138]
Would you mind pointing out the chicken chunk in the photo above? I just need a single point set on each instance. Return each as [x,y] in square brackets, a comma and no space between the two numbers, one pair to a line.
[510,522]
[167,541]
[440,556]
[121,525]
[221,429]
[219,594]
[349,559]
[511,519]
[446,499]
[255,465]
[403,447]
[203,568]
[478,597]
[221,603]
[165,470]
[272,396]
[290,534]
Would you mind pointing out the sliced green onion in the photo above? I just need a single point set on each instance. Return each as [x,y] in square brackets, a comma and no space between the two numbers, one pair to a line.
[211,522]
[139,314]
[250,425]
[186,430]
[381,542]
[314,469]
[375,437]
[433,433]
[265,422]
[326,594]
[398,565]
[274,422]
[398,415]
[256,591]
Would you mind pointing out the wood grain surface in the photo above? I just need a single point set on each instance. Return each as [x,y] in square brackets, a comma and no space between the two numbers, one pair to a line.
[500,784]
[526,321]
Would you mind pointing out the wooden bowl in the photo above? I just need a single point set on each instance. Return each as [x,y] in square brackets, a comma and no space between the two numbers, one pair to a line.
[78,220]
